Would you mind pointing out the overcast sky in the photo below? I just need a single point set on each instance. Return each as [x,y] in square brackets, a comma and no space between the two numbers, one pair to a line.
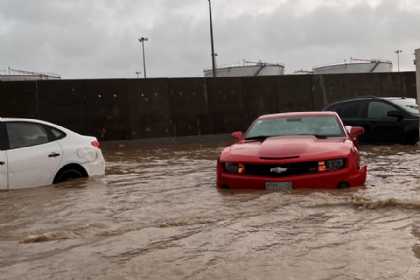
[98,38]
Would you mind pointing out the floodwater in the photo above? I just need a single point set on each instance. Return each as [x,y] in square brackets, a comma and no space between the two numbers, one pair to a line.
[157,215]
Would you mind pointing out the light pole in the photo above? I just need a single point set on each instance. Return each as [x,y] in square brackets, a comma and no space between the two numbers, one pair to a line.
[398,58]
[213,59]
[142,40]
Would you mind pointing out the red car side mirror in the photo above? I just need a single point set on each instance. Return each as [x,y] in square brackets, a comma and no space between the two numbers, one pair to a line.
[355,132]
[238,135]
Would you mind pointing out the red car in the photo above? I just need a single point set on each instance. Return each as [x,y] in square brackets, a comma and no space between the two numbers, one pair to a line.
[293,150]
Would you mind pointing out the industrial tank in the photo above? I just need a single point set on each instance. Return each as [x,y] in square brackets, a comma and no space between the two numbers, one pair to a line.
[363,66]
[252,70]
[22,75]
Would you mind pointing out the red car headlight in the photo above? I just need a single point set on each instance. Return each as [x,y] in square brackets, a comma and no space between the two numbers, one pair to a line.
[234,168]
[331,165]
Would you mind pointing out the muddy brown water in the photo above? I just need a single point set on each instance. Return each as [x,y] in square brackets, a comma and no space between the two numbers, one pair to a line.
[157,215]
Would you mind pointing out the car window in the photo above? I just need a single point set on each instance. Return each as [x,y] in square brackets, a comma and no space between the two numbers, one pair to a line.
[25,134]
[408,104]
[55,134]
[3,137]
[350,110]
[379,110]
[301,125]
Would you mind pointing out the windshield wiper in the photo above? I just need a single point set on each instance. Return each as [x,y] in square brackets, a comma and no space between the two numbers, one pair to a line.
[263,137]
[259,137]
[318,136]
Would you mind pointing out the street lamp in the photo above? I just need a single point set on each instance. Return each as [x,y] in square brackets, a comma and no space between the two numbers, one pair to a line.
[142,40]
[213,59]
[398,58]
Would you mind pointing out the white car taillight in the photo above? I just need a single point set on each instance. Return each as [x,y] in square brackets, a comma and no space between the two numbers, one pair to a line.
[96,144]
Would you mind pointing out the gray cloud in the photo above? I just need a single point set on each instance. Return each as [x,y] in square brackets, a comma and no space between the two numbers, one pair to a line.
[97,38]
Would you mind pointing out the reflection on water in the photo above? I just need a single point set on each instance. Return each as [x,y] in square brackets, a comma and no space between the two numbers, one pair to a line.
[157,215]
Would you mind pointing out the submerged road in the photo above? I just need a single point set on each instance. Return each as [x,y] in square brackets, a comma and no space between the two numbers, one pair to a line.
[158,215]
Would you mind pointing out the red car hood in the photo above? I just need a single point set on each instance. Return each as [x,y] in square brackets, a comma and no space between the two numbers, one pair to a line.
[290,147]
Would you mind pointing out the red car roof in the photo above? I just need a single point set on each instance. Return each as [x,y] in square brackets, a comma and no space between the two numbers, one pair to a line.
[297,114]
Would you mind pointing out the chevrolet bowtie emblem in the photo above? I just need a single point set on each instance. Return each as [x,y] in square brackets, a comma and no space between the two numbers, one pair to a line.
[278,170]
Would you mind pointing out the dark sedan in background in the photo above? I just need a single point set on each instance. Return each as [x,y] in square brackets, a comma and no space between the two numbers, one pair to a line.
[385,120]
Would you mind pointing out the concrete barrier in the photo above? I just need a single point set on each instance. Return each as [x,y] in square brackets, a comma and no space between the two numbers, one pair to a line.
[126,109]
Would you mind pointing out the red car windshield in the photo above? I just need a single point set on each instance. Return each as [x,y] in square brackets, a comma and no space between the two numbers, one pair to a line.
[319,126]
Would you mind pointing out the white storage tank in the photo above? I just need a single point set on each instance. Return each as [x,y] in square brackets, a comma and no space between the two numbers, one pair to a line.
[251,70]
[22,75]
[361,66]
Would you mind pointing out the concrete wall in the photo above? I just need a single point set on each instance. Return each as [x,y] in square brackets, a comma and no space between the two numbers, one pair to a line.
[122,109]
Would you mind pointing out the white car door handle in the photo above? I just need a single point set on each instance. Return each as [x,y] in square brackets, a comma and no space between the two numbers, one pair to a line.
[52,155]
[2,163]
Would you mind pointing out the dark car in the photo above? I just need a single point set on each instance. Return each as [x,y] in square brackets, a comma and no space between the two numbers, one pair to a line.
[385,120]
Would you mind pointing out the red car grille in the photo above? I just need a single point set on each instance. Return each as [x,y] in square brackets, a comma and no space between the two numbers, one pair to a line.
[281,170]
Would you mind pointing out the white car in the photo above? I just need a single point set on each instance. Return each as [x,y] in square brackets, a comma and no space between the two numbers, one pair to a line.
[37,153]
